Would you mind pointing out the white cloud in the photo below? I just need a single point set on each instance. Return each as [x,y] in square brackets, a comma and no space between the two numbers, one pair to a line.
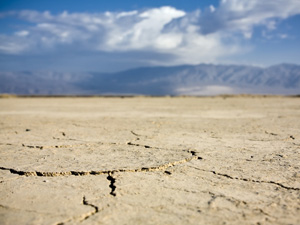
[242,16]
[193,37]
[212,8]
[144,33]
[283,36]
[12,45]
[124,14]
[22,33]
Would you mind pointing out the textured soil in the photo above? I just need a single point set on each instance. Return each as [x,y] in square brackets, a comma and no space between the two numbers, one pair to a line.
[142,160]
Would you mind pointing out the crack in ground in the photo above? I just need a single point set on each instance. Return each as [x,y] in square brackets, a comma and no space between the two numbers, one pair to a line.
[66,146]
[81,144]
[6,144]
[84,216]
[63,146]
[96,209]
[110,173]
[237,203]
[249,180]
[263,212]
[257,181]
[214,196]
[110,177]
[139,145]
[84,173]
[135,134]
[112,184]
[41,147]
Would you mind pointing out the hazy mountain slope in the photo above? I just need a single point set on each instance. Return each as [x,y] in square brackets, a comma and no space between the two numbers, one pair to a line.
[203,79]
[45,83]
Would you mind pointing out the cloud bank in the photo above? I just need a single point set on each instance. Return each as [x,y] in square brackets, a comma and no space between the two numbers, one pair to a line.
[184,37]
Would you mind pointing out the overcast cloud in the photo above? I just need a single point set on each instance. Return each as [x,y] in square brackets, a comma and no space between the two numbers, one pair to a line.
[184,37]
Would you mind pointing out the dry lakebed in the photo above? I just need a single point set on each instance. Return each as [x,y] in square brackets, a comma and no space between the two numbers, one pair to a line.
[150,160]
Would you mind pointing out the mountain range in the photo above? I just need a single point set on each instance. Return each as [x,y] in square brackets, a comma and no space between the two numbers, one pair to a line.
[203,79]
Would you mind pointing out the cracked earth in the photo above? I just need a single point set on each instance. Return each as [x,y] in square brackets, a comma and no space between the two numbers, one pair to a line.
[218,160]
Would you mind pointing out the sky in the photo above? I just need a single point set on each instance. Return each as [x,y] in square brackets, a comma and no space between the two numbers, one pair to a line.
[109,36]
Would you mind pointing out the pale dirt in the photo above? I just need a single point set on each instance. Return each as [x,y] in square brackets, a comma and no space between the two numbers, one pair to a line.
[150,160]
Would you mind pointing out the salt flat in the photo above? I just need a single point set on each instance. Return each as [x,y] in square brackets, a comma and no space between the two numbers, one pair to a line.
[142,160]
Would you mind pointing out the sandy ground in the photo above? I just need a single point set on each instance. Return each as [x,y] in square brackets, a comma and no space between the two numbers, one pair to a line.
[150,160]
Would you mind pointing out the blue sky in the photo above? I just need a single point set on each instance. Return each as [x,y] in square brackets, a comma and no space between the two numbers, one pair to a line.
[93,35]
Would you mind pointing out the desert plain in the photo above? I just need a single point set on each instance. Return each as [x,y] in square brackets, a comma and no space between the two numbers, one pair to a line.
[150,160]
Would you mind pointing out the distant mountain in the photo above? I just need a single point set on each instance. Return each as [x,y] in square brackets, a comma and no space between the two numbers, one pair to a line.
[203,79]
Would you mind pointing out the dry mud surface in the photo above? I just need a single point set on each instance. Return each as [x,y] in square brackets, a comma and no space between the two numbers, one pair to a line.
[150,160]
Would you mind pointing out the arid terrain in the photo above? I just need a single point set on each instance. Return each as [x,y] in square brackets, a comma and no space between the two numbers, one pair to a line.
[142,160]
